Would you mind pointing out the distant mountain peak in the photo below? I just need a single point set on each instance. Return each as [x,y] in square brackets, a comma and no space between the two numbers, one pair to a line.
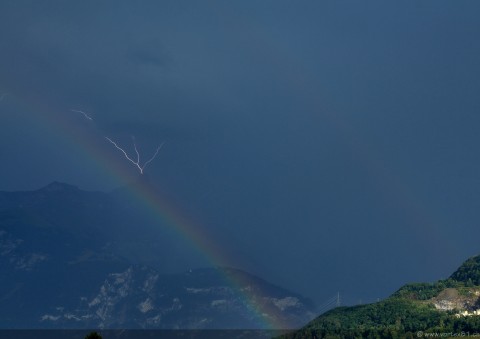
[56,186]
[97,249]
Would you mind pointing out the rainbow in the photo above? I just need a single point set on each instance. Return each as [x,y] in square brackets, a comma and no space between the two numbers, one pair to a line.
[91,148]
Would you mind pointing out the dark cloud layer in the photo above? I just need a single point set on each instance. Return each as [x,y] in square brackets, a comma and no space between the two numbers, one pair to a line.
[332,145]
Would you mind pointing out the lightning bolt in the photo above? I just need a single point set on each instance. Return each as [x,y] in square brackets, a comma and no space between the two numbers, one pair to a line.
[137,162]
[82,112]
[153,157]
[136,150]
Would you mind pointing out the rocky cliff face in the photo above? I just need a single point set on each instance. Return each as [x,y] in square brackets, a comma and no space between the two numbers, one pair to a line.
[140,297]
[451,299]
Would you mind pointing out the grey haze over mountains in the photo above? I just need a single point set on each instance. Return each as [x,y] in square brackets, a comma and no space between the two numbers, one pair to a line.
[322,142]
[60,267]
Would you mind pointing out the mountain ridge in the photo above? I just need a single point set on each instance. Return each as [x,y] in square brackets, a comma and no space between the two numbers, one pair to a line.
[445,308]
[70,259]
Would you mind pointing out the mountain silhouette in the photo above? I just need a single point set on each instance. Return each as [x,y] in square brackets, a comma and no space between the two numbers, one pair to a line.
[76,259]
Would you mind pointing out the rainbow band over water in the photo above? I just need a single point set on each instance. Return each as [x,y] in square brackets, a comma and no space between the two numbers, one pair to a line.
[59,121]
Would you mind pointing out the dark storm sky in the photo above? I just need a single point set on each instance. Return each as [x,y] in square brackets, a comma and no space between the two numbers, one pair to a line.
[332,145]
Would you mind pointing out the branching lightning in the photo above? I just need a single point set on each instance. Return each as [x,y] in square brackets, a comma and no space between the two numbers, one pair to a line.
[137,162]
[82,112]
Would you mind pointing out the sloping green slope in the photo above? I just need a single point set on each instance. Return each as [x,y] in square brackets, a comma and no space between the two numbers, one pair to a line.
[444,309]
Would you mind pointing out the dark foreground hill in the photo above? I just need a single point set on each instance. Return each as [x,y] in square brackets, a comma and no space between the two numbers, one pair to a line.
[446,308]
[65,263]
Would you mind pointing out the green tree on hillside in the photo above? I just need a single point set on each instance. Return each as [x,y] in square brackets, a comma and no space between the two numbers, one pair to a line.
[93,335]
